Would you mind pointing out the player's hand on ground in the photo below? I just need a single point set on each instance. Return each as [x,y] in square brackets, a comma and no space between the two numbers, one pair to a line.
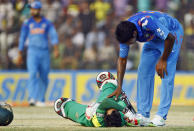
[116,93]
[161,68]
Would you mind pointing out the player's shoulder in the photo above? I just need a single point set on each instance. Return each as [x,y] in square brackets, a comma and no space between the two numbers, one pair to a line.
[27,21]
[142,20]
[146,21]
[47,20]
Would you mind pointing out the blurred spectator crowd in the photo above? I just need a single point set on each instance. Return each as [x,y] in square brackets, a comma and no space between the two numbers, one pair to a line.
[86,31]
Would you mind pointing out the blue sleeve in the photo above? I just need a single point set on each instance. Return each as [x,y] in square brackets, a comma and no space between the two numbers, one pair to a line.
[53,37]
[124,49]
[148,23]
[23,36]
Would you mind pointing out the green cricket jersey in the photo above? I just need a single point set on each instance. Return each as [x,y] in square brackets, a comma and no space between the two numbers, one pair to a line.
[77,112]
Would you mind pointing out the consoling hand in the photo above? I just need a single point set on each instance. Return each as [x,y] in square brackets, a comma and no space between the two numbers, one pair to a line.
[116,93]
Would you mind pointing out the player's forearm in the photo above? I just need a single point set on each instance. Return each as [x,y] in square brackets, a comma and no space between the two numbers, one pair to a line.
[23,37]
[168,45]
[109,103]
[21,43]
[121,66]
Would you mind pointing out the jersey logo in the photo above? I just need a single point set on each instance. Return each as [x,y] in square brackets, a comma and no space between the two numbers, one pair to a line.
[37,31]
[142,18]
[145,23]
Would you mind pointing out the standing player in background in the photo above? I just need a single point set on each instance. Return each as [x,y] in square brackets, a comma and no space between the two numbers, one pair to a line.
[38,31]
[163,35]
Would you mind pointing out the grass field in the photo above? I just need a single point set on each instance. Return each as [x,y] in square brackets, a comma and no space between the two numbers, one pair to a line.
[45,119]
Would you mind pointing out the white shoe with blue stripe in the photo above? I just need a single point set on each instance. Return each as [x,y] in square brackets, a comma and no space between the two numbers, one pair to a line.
[143,121]
[158,121]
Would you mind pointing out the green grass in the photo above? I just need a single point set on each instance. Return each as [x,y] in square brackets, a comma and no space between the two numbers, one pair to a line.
[45,119]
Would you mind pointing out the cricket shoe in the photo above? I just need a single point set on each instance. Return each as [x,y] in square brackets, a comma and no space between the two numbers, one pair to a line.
[142,121]
[59,106]
[158,121]
[32,102]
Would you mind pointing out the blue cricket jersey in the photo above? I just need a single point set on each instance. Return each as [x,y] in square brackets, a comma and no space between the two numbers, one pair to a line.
[151,26]
[38,34]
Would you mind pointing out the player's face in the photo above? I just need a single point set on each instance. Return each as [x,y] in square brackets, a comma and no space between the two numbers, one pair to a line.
[132,40]
[35,12]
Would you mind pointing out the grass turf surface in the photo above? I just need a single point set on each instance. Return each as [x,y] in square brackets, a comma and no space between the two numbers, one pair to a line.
[45,119]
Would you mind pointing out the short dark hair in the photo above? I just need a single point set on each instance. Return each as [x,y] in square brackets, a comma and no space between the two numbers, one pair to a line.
[113,120]
[124,31]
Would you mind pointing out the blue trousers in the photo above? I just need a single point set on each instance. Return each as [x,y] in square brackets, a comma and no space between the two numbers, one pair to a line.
[38,65]
[151,53]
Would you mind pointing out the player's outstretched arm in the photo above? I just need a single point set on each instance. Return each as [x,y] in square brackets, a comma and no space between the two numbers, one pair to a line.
[161,66]
[126,34]
[121,66]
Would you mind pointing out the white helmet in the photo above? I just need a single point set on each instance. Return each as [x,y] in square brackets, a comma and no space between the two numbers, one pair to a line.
[102,77]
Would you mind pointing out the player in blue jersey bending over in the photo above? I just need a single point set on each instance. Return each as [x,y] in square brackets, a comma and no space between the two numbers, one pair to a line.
[39,32]
[163,35]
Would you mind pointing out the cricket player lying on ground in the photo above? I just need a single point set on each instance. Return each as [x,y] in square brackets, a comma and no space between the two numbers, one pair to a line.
[106,112]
